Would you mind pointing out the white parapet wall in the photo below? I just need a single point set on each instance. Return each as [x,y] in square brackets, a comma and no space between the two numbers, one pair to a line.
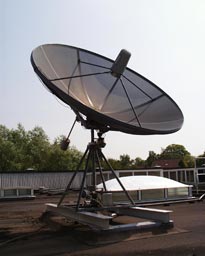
[15,193]
[36,180]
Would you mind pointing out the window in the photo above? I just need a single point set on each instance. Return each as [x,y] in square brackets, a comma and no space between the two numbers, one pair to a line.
[24,192]
[124,174]
[10,192]
[173,176]
[121,196]
[201,178]
[156,173]
[139,173]
[166,174]
[178,192]
[111,176]
[152,194]
[201,171]
[190,176]
[181,176]
[99,179]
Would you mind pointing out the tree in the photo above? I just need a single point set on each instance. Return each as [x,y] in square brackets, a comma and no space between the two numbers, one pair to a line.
[187,162]
[60,160]
[151,158]
[200,160]
[22,150]
[125,162]
[38,148]
[115,164]
[7,155]
[10,148]
[138,163]
[174,151]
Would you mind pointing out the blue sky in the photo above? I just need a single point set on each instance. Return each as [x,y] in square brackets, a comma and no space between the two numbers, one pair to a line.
[165,37]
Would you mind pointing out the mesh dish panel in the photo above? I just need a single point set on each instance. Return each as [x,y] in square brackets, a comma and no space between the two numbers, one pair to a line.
[84,80]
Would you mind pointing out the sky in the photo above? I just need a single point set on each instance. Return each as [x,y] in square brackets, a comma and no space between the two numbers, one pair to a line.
[165,37]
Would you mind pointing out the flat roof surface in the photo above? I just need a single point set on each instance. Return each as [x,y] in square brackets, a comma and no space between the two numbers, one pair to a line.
[22,233]
[142,182]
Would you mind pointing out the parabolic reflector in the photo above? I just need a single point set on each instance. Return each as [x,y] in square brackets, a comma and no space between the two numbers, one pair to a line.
[126,102]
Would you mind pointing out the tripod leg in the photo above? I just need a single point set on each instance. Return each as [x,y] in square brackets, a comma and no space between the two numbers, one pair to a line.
[113,172]
[100,167]
[93,158]
[83,181]
[72,178]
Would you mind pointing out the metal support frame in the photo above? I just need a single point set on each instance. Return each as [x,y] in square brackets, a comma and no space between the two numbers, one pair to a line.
[99,221]
[95,216]
[93,156]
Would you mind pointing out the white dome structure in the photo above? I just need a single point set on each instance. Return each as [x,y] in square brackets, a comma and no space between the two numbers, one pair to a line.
[141,183]
[144,189]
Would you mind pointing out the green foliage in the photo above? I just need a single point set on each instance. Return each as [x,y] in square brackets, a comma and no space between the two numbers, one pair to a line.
[7,155]
[187,162]
[62,160]
[174,151]
[138,163]
[151,158]
[203,155]
[22,150]
[125,162]
[114,163]
[200,161]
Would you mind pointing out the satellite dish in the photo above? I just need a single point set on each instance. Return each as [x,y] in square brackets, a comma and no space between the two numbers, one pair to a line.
[108,94]
[105,96]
